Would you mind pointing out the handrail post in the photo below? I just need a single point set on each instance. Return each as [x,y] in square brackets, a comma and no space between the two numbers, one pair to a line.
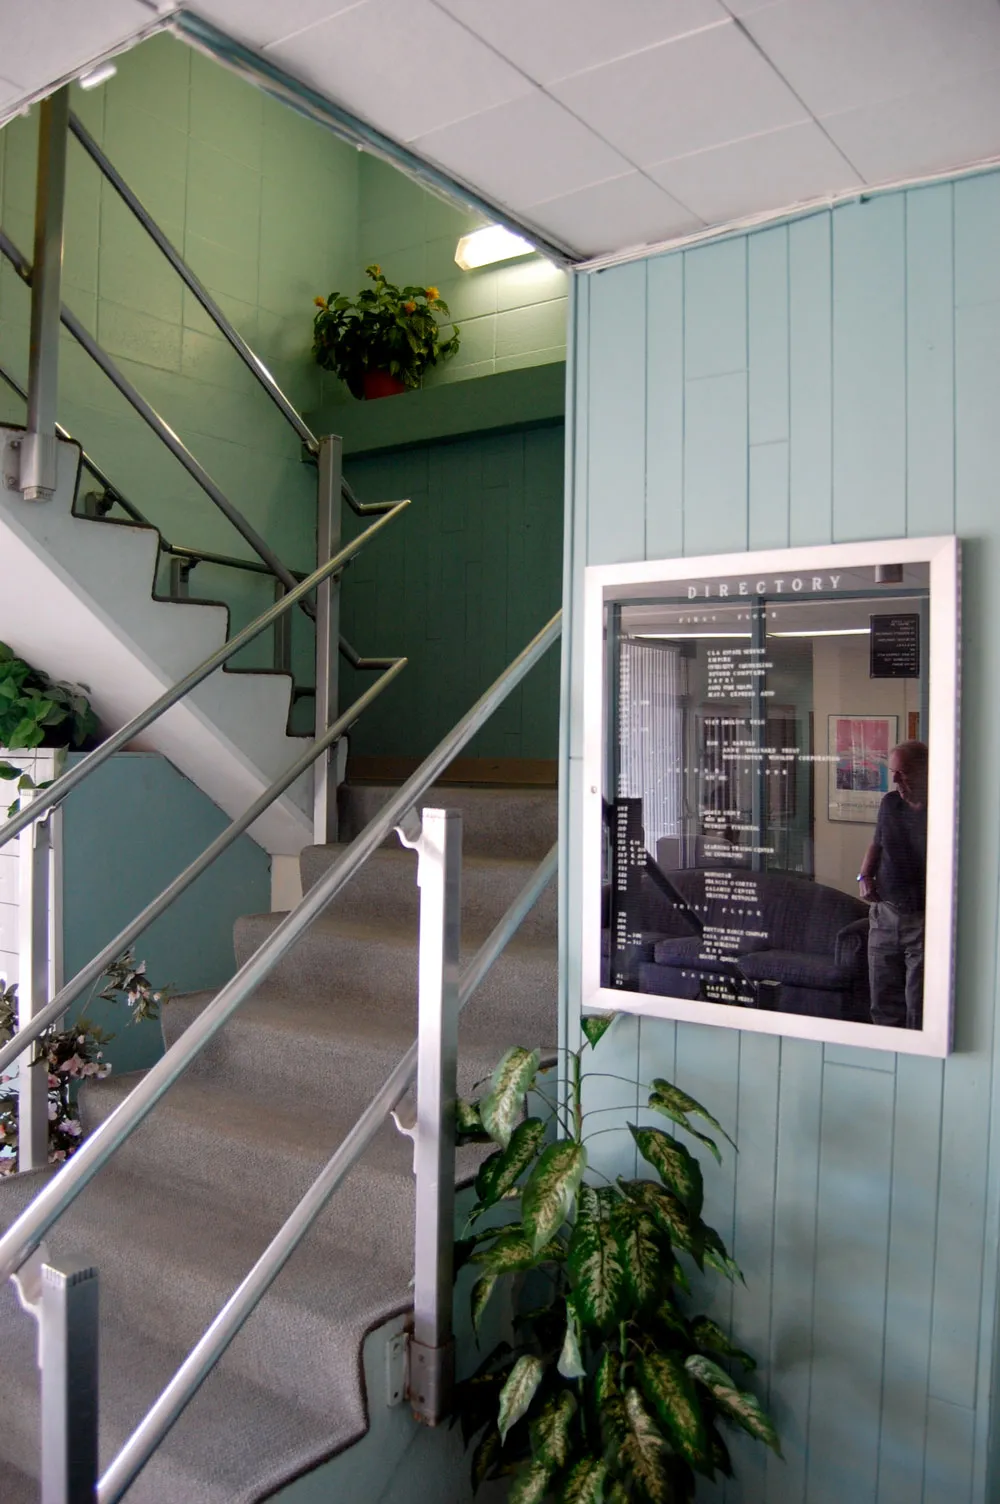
[39,453]
[432,1346]
[328,531]
[67,1353]
[34,891]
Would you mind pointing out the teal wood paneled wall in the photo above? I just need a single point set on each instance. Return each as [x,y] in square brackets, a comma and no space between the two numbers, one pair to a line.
[829,379]
[460,584]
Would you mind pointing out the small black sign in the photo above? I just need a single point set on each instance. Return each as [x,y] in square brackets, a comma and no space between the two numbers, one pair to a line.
[895,646]
[628,847]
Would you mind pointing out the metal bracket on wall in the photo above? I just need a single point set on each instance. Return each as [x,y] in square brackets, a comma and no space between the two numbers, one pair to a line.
[10,467]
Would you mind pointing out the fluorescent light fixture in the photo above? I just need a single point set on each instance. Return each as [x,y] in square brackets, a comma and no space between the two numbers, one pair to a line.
[494,243]
[827,632]
[677,636]
[97,76]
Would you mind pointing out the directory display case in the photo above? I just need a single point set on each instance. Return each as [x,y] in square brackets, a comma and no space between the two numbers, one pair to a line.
[770,791]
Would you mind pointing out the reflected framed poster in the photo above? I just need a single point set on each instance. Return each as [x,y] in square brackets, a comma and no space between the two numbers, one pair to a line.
[721,859]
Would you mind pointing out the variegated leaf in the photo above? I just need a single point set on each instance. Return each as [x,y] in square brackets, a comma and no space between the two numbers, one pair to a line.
[658,1103]
[486,1456]
[721,1460]
[499,1173]
[596,1025]
[670,1317]
[571,1364]
[668,1387]
[595,1263]
[549,1193]
[616,1493]
[738,1404]
[530,1485]
[717,1257]
[479,1299]
[710,1338]
[679,1102]
[512,1252]
[642,1258]
[644,1454]
[468,1124]
[519,1391]
[502,1103]
[550,1431]
[670,1214]
[585,1484]
[673,1163]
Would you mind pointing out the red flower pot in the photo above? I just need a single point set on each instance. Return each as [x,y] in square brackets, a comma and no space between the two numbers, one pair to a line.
[381,384]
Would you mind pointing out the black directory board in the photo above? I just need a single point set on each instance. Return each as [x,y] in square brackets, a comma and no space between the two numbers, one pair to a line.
[895,646]
[629,864]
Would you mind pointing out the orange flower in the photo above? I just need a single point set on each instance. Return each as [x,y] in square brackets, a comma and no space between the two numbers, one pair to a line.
[320,302]
[433,293]
[409,307]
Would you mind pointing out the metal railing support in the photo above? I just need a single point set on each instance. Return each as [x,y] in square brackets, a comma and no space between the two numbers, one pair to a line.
[68,1350]
[38,449]
[34,881]
[432,1346]
[328,530]
[282,636]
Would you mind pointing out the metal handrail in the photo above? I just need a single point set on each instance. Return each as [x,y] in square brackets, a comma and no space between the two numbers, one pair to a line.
[253,362]
[24,1236]
[159,426]
[69,780]
[30,1031]
[243,1302]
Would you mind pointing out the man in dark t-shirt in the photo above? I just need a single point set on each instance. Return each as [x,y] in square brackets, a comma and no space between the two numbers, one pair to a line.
[893,878]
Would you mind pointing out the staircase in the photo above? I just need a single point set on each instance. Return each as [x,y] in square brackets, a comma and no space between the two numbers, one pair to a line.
[178,1218]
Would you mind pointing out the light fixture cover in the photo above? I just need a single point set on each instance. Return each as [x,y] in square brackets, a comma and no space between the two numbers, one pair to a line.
[492,243]
[98,75]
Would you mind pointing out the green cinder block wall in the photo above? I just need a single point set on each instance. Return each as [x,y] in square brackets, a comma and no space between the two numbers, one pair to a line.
[830,379]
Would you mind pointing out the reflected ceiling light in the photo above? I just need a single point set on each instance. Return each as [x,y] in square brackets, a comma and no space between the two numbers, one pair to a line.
[494,243]
[676,636]
[826,632]
[97,76]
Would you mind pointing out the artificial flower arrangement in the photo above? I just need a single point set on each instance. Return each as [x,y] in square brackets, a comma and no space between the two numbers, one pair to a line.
[386,332]
[72,1056]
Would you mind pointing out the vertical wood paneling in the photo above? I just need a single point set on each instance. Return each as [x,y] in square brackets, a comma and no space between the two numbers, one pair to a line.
[611,1094]
[616,517]
[869,381]
[865,1204]
[665,409]
[810,364]
[852,1235]
[930,362]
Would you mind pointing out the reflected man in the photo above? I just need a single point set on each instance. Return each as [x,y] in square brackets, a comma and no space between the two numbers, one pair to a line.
[893,878]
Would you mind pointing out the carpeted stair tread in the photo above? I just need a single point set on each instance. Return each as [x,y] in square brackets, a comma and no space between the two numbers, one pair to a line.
[206,1459]
[495,821]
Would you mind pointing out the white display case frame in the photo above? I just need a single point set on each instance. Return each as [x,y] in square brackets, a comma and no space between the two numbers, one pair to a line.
[623,583]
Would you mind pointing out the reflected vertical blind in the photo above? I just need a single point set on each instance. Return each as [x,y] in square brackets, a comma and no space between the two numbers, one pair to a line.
[652,690]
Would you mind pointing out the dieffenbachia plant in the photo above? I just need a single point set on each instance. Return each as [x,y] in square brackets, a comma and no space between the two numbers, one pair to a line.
[612,1389]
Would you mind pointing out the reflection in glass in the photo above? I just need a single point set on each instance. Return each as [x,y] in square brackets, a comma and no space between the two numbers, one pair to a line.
[766,795]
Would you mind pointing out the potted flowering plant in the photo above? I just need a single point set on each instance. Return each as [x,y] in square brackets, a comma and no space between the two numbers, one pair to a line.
[382,341]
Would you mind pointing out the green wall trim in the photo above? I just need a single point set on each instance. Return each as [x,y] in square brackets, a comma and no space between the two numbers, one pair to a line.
[483,404]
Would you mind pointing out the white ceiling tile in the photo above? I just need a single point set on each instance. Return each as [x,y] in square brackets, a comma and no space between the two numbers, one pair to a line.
[626,211]
[261,22]
[561,37]
[771,171]
[402,64]
[9,91]
[46,40]
[682,96]
[523,152]
[747,7]
[842,54]
[922,133]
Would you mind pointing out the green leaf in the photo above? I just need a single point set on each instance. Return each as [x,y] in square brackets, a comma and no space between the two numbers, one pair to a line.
[679,1106]
[738,1404]
[669,1214]
[531,1484]
[717,1256]
[710,1338]
[468,1124]
[486,1456]
[668,1387]
[519,1391]
[676,1167]
[498,1173]
[511,1080]
[636,1235]
[8,771]
[721,1460]
[550,1431]
[479,1299]
[512,1252]
[27,734]
[644,1453]
[656,1102]
[548,1195]
[585,1484]
[595,1263]
[609,1401]
[596,1025]
[571,1364]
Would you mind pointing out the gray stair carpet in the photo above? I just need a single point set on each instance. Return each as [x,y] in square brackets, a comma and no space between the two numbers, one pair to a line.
[178,1218]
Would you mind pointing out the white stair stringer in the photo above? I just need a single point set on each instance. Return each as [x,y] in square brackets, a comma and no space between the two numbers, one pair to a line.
[77,602]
